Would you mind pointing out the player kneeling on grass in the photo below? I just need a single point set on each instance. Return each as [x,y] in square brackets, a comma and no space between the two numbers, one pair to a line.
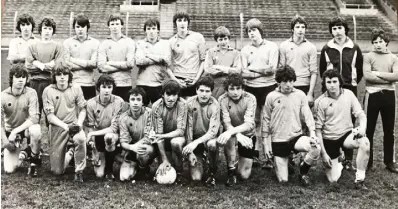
[64,106]
[202,128]
[334,125]
[169,116]
[19,119]
[282,130]
[103,112]
[135,126]
[238,109]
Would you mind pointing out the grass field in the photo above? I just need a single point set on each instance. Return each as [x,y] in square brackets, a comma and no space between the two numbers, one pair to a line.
[260,191]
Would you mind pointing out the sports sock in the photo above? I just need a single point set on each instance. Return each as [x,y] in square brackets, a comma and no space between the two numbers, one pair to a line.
[359,175]
[304,168]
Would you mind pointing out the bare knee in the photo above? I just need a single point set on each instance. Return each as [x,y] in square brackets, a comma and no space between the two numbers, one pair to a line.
[80,138]
[99,173]
[176,144]
[212,145]
[35,133]
[364,144]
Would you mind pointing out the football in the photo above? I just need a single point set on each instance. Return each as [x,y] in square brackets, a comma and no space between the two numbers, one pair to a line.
[168,178]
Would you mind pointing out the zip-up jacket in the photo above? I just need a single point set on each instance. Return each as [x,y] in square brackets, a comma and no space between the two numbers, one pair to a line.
[347,59]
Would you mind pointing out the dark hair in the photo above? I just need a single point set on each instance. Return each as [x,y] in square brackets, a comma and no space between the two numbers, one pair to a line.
[233,79]
[47,21]
[338,21]
[297,19]
[152,22]
[115,17]
[181,15]
[171,87]
[139,91]
[61,68]
[82,20]
[378,32]
[221,32]
[255,23]
[17,70]
[207,81]
[105,79]
[26,19]
[285,73]
[332,73]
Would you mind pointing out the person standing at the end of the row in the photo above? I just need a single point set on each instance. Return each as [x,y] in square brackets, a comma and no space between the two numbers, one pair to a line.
[381,71]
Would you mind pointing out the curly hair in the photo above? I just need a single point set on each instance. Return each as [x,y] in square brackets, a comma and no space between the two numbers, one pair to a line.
[378,32]
[284,74]
[233,80]
[207,81]
[49,22]
[332,73]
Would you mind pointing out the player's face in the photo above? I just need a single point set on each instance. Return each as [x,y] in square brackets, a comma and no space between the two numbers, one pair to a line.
[379,45]
[223,42]
[106,90]
[81,31]
[204,94]
[182,24]
[299,30]
[338,32]
[46,32]
[170,99]
[18,82]
[286,86]
[152,32]
[332,85]
[115,26]
[26,28]
[136,102]
[235,92]
[62,79]
[254,34]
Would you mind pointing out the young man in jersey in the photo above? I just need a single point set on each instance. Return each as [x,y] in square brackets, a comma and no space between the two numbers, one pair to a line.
[345,55]
[103,112]
[116,57]
[335,130]
[238,109]
[259,62]
[152,57]
[169,117]
[300,54]
[380,72]
[282,129]
[19,46]
[81,53]
[64,106]
[188,52]
[135,126]
[202,128]
[41,57]
[222,60]
[19,119]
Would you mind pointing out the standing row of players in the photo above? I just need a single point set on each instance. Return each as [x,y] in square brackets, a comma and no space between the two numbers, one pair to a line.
[186,60]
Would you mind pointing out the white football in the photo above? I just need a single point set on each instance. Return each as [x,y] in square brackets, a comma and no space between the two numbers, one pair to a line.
[168,178]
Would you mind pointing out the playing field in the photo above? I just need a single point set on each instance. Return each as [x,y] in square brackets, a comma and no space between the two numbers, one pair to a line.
[261,191]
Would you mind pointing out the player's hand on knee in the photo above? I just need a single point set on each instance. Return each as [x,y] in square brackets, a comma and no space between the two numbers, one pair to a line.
[192,159]
[224,137]
[189,148]
[268,152]
[163,168]
[139,149]
[359,132]
[314,141]
[327,161]
[244,141]
[182,83]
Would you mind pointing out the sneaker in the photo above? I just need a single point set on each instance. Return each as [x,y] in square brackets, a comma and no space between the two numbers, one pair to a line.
[210,181]
[90,147]
[32,171]
[348,165]
[305,180]
[231,181]
[78,177]
[392,167]
[360,185]
[109,177]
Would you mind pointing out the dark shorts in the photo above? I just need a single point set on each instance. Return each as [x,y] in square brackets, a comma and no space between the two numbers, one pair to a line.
[166,144]
[260,93]
[332,147]
[200,149]
[100,143]
[304,89]
[152,94]
[88,92]
[122,92]
[39,86]
[248,153]
[21,134]
[284,149]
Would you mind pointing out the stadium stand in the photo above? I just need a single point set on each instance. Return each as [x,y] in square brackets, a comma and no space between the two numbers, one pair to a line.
[206,16]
